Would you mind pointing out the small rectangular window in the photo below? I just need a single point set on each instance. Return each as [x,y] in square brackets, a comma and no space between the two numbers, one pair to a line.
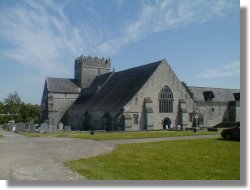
[190,117]
[136,117]
[212,109]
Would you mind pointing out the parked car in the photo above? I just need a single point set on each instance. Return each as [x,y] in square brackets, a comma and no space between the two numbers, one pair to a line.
[231,133]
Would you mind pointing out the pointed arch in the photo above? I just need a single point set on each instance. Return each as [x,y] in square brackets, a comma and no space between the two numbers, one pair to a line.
[165,100]
[107,122]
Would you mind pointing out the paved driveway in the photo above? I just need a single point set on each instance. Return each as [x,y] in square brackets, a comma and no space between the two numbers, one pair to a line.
[41,158]
[36,158]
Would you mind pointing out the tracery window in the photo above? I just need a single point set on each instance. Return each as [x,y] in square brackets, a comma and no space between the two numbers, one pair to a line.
[166,100]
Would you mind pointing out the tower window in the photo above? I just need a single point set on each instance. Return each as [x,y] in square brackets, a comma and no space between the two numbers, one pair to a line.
[166,100]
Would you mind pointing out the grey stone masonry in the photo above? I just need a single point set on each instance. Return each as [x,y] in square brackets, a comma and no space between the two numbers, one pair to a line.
[87,68]
[147,97]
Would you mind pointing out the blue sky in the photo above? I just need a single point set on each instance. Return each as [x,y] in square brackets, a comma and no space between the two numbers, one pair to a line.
[199,38]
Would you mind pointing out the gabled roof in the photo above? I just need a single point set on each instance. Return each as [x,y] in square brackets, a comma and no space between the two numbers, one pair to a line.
[62,85]
[220,94]
[93,89]
[118,89]
[97,83]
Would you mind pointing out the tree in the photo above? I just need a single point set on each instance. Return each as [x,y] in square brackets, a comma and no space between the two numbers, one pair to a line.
[1,108]
[2,117]
[35,112]
[28,111]
[13,98]
[14,109]
[12,103]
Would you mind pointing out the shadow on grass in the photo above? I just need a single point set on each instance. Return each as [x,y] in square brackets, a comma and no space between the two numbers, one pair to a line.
[222,139]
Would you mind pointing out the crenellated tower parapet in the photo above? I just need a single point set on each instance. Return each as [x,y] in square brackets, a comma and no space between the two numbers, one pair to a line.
[94,61]
[87,68]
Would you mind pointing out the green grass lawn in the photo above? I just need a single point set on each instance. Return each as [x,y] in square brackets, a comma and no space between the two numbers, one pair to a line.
[1,136]
[117,135]
[197,159]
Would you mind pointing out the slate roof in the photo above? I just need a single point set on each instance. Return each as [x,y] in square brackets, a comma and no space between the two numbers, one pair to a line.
[92,90]
[220,94]
[62,85]
[118,89]
[98,81]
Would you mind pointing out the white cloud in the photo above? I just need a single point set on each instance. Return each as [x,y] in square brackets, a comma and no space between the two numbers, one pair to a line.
[227,70]
[43,36]
[163,15]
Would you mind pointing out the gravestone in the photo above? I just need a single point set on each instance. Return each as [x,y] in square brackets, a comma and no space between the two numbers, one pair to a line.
[46,121]
[178,127]
[31,126]
[60,126]
[20,127]
[52,128]
[44,128]
[11,126]
[67,128]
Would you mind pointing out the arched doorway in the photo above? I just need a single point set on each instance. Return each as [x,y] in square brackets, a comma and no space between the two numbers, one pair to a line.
[166,123]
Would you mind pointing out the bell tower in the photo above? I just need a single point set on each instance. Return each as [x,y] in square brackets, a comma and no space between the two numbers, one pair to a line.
[87,68]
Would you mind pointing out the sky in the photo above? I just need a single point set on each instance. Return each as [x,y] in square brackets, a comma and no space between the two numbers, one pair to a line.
[200,39]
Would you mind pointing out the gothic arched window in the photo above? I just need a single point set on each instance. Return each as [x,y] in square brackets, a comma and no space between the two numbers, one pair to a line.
[166,100]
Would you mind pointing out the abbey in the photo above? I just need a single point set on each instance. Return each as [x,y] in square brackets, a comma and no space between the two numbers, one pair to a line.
[148,97]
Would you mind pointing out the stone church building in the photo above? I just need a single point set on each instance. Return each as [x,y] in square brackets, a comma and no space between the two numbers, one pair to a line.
[148,97]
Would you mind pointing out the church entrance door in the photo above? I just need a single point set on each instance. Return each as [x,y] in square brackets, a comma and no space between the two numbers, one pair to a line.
[166,123]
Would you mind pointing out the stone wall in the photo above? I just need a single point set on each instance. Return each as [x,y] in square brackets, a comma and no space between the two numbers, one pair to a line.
[75,118]
[213,113]
[144,107]
[163,75]
[87,68]
[58,104]
[44,105]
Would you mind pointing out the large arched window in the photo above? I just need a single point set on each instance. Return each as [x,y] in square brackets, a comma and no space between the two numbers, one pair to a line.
[166,100]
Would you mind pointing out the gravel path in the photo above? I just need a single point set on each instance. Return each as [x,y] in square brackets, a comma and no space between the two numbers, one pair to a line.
[41,158]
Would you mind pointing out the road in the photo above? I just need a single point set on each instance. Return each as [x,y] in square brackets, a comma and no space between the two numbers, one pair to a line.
[42,158]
